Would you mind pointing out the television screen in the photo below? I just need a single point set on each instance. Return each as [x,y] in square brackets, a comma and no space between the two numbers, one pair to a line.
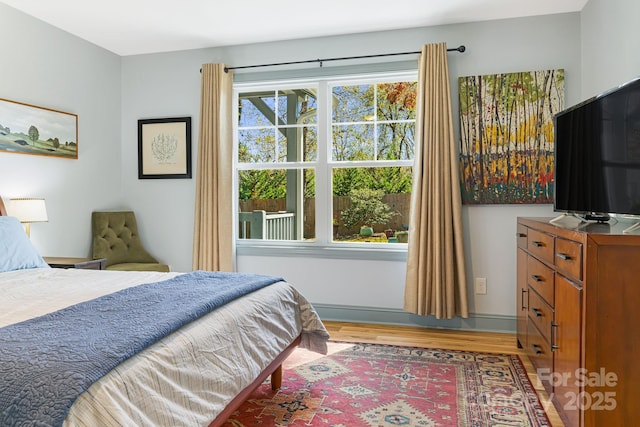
[597,154]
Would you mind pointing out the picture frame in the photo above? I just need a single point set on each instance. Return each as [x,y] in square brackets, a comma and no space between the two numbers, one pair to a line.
[507,136]
[164,148]
[30,129]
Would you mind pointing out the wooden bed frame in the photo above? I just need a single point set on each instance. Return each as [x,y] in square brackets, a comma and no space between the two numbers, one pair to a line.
[274,370]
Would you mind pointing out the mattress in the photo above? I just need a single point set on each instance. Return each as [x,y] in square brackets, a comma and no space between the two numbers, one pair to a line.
[188,377]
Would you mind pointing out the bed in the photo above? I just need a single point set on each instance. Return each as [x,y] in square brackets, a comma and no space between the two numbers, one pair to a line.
[196,375]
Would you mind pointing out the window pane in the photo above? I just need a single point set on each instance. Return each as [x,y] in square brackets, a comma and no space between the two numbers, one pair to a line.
[353,142]
[396,141]
[353,103]
[297,144]
[308,107]
[396,101]
[297,104]
[292,138]
[257,145]
[374,197]
[277,204]
[256,109]
[310,143]
[282,147]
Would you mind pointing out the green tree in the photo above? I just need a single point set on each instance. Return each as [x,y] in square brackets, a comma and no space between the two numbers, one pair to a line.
[263,184]
[391,180]
[34,134]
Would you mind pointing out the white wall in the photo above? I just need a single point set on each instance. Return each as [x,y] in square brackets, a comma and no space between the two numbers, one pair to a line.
[610,44]
[165,85]
[44,66]
[155,86]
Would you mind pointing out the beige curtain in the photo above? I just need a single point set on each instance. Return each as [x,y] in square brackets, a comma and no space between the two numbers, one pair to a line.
[436,278]
[213,230]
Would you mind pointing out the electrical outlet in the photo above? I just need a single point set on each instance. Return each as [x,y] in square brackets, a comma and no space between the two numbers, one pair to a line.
[481,286]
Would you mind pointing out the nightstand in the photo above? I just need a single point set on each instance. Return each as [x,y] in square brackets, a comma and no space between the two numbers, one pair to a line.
[83,263]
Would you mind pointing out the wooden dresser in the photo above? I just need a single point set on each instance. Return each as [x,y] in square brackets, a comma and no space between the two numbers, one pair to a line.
[578,317]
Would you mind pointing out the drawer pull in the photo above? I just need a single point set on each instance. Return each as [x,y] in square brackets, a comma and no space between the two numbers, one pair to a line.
[538,244]
[554,327]
[523,305]
[563,256]
[536,348]
[521,235]
[537,312]
[537,278]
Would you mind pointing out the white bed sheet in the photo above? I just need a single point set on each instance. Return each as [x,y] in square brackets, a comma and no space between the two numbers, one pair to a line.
[187,378]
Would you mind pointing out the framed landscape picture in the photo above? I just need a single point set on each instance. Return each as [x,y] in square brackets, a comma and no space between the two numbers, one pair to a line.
[29,129]
[164,148]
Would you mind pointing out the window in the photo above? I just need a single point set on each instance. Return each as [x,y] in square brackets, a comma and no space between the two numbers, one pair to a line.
[327,161]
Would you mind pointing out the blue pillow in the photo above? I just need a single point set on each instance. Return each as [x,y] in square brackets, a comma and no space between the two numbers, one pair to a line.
[16,250]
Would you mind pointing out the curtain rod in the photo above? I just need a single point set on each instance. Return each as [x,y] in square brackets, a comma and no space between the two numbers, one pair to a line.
[460,49]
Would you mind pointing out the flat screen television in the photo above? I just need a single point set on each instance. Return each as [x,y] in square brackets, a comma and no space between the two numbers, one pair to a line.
[597,155]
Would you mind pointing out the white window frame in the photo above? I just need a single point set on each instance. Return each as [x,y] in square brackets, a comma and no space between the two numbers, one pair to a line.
[323,246]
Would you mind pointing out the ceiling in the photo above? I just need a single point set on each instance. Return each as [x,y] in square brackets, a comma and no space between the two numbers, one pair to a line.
[130,27]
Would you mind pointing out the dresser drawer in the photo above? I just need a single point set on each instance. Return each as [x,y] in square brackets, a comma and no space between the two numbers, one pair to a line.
[539,353]
[540,244]
[541,279]
[569,257]
[521,236]
[541,314]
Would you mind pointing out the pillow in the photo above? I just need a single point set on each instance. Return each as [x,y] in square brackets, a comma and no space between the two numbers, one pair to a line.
[16,250]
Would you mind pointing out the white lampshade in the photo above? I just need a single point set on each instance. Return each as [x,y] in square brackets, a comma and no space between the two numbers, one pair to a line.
[28,210]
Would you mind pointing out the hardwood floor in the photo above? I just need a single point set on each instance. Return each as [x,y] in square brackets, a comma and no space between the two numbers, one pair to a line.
[489,342]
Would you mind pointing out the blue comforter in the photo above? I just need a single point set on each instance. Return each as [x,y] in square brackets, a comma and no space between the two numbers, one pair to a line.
[46,362]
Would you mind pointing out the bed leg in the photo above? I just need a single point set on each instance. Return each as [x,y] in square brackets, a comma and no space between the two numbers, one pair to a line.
[276,378]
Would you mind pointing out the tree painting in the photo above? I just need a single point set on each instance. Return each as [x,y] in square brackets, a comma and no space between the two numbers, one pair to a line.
[507,136]
[28,129]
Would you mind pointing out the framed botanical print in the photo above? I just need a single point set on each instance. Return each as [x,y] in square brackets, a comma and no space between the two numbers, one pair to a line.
[164,148]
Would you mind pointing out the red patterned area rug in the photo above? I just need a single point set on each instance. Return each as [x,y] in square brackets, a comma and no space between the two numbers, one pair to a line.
[380,385]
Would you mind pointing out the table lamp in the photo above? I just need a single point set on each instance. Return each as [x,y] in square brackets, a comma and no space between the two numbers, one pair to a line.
[28,210]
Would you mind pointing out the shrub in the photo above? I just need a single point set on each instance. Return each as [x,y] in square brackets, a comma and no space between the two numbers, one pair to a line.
[367,209]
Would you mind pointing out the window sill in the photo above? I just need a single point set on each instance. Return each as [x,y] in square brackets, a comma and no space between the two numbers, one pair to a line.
[292,250]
